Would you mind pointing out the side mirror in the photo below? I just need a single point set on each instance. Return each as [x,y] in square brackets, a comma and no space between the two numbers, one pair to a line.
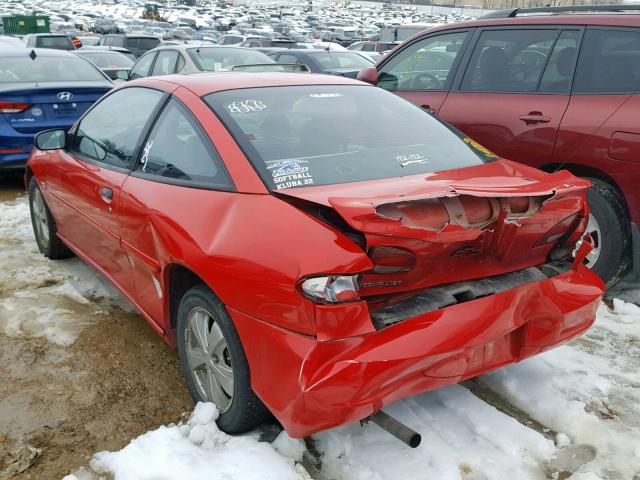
[368,75]
[51,139]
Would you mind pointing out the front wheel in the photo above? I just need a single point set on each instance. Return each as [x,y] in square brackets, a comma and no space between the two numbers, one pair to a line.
[609,228]
[214,363]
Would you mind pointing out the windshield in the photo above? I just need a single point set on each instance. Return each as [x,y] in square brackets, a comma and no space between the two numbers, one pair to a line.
[47,69]
[109,60]
[330,60]
[321,134]
[223,58]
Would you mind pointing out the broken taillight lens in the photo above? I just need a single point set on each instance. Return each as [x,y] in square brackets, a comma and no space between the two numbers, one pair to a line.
[13,107]
[391,259]
[561,231]
[332,288]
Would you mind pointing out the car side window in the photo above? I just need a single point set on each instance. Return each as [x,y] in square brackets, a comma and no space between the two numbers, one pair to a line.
[609,62]
[558,75]
[357,47]
[287,58]
[142,66]
[178,149]
[423,65]
[509,60]
[368,47]
[110,132]
[165,63]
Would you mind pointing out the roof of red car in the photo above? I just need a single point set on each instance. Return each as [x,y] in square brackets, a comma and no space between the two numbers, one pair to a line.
[205,83]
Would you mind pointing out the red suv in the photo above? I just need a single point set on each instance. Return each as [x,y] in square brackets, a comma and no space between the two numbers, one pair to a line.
[552,91]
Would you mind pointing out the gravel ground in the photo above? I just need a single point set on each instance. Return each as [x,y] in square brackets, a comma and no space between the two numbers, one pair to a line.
[60,402]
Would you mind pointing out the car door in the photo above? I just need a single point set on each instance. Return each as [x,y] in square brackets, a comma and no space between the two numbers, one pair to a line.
[423,70]
[515,90]
[178,165]
[90,172]
[606,77]
[142,67]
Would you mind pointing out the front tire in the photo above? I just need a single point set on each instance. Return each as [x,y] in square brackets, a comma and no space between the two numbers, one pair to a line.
[214,363]
[44,225]
[610,230]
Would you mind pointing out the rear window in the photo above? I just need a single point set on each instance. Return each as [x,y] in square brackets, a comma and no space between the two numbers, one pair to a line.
[142,43]
[609,62]
[54,42]
[223,58]
[329,60]
[302,136]
[109,60]
[47,69]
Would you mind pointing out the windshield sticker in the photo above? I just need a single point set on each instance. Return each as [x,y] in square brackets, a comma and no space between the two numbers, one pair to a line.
[325,95]
[484,150]
[290,173]
[246,106]
[410,159]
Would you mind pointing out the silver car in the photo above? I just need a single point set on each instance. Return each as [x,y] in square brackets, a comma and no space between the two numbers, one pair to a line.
[189,58]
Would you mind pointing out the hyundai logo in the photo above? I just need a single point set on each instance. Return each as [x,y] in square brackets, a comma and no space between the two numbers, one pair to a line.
[65,96]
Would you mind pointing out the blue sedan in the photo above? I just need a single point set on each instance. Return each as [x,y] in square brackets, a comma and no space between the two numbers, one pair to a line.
[42,89]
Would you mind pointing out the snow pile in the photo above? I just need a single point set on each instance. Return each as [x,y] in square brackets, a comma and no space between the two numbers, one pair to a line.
[198,450]
[40,297]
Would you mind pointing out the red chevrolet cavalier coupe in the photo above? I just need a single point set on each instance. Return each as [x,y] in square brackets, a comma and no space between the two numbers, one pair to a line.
[315,247]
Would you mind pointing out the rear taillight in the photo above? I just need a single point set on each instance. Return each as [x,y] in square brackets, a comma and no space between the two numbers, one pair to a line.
[13,107]
[332,288]
[562,231]
[391,259]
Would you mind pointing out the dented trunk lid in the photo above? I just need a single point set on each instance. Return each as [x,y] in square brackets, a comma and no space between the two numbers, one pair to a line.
[457,225]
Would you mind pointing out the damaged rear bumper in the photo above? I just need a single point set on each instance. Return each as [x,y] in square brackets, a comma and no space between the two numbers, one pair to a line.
[313,385]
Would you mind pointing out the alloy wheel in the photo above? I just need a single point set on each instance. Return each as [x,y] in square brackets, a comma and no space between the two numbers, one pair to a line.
[209,359]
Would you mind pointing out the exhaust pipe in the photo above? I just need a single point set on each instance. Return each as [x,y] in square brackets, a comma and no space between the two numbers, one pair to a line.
[394,427]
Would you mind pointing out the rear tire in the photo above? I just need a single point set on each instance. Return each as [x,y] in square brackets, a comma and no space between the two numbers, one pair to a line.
[613,232]
[211,352]
[44,225]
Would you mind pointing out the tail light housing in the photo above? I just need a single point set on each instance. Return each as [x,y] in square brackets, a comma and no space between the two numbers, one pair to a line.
[563,230]
[13,107]
[391,259]
[331,288]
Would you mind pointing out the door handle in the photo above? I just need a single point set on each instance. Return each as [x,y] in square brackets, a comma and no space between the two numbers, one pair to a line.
[106,194]
[535,117]
[428,109]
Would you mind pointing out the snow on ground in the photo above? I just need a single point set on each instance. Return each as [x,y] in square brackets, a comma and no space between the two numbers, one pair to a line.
[39,297]
[584,395]
[197,449]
